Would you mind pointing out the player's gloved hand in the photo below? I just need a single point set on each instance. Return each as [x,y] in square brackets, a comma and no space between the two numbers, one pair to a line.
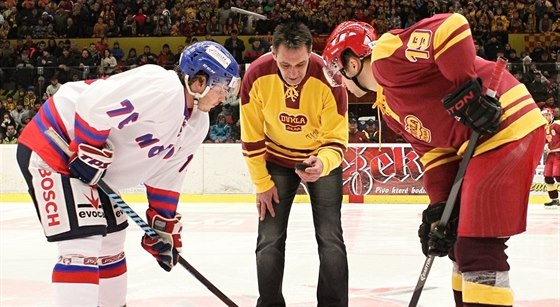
[90,163]
[435,241]
[167,247]
[468,105]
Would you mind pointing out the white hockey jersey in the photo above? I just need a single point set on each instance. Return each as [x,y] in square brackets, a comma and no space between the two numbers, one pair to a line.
[142,112]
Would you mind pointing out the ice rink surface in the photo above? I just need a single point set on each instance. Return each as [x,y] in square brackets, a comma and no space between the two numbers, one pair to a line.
[219,241]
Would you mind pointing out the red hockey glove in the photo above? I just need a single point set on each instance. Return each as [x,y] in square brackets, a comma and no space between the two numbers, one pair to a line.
[90,163]
[167,247]
[438,242]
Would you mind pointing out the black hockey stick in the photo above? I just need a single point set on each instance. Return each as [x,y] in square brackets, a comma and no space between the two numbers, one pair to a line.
[61,143]
[452,197]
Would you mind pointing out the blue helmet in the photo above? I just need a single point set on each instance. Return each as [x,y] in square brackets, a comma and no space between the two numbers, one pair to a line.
[213,59]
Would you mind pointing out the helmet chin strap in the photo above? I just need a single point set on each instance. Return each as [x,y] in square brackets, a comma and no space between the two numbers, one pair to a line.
[355,78]
[197,96]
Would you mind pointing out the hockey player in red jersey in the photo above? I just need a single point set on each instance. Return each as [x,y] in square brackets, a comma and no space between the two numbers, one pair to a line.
[141,126]
[552,160]
[430,87]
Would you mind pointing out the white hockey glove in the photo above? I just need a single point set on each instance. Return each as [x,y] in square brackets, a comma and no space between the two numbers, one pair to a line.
[167,247]
[90,163]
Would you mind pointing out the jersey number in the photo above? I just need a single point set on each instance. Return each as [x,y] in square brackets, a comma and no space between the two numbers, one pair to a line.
[418,44]
[126,109]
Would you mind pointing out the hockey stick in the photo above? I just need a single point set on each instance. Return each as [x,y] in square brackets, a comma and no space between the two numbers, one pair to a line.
[452,197]
[245,12]
[61,143]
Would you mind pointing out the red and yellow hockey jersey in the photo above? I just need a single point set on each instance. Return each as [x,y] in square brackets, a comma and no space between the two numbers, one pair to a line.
[418,66]
[286,124]
[553,135]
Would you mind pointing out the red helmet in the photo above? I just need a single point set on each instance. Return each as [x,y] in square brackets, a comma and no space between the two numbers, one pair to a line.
[354,35]
[547,111]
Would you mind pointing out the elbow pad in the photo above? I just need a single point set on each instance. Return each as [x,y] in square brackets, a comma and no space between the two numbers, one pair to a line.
[479,112]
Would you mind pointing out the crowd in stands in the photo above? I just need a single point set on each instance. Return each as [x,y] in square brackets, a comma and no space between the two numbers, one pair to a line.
[38,50]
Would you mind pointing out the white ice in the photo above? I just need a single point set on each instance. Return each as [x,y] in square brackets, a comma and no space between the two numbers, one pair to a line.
[219,241]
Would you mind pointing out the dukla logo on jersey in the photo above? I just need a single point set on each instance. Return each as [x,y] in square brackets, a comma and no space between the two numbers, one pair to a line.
[92,209]
[292,123]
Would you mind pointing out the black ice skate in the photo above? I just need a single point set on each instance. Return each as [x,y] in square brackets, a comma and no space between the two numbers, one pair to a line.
[554,202]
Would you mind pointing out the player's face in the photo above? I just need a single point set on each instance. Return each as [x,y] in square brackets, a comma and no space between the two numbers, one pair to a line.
[292,63]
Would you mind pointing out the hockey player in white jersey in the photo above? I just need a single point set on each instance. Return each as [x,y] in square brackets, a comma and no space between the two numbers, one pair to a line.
[141,126]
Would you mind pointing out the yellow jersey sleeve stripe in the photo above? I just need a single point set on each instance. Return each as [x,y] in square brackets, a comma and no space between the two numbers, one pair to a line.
[385,47]
[452,42]
[449,26]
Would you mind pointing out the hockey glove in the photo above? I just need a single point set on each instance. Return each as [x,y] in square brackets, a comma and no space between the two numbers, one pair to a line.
[435,241]
[167,247]
[90,163]
[479,112]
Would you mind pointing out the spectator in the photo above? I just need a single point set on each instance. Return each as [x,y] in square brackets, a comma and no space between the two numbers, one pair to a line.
[46,64]
[100,28]
[11,134]
[220,132]
[161,28]
[30,97]
[235,46]
[53,87]
[371,130]
[108,13]
[140,18]
[249,24]
[86,64]
[545,24]
[214,27]
[113,29]
[71,30]
[18,113]
[537,51]
[492,47]
[9,104]
[100,46]
[129,25]
[25,71]
[356,135]
[108,63]
[117,51]
[53,48]
[165,57]
[7,120]
[515,24]
[256,50]
[66,65]
[229,26]
[131,60]
[224,13]
[152,58]
[25,119]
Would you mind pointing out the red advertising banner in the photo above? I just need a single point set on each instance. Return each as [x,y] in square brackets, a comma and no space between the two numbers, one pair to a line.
[388,170]
[394,169]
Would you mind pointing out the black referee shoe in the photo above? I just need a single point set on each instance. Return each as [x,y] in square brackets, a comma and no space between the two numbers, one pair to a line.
[554,202]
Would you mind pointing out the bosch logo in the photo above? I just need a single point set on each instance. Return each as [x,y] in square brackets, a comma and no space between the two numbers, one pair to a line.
[49,196]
